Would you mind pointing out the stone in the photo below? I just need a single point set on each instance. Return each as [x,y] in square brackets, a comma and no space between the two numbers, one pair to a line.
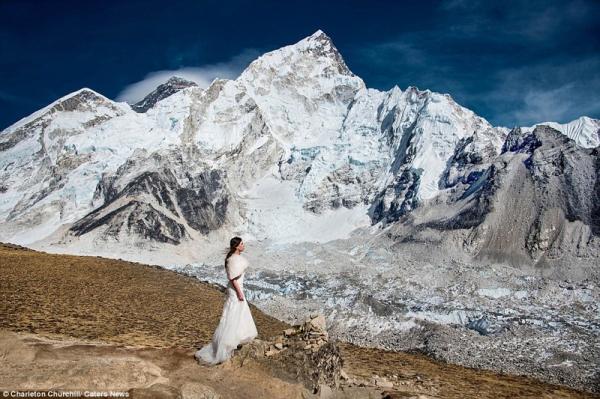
[382,382]
[289,332]
[343,374]
[308,358]
[193,390]
[270,352]
[325,392]
[318,323]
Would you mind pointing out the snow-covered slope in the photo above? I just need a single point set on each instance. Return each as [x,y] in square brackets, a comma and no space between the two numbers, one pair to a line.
[51,163]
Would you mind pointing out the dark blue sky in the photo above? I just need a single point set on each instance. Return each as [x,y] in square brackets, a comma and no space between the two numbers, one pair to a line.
[512,62]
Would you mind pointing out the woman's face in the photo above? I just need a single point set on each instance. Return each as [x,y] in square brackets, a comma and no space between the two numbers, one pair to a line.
[240,247]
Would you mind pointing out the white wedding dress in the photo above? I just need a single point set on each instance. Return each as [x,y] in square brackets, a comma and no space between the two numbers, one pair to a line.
[236,325]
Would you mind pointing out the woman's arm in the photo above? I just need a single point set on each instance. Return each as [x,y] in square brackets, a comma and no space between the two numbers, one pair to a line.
[238,290]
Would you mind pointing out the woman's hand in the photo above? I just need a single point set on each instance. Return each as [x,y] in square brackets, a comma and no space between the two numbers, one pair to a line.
[238,289]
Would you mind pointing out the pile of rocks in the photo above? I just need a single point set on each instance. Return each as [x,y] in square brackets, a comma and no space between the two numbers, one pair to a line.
[310,336]
[302,353]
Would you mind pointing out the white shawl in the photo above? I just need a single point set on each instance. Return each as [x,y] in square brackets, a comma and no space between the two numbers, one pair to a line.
[236,264]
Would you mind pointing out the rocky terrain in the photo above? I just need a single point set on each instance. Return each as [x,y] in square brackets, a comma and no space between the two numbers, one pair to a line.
[92,323]
[418,297]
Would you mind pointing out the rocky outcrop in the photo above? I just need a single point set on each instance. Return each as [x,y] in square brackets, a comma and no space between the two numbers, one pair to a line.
[553,183]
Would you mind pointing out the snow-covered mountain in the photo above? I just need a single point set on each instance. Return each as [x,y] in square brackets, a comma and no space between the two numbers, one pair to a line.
[536,202]
[296,140]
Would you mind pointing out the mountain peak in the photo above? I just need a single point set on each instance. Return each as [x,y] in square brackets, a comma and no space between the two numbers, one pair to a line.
[170,87]
[320,37]
[584,130]
[178,80]
[81,99]
[321,45]
[313,54]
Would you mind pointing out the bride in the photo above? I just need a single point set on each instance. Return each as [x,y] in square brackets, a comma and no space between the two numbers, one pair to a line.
[236,325]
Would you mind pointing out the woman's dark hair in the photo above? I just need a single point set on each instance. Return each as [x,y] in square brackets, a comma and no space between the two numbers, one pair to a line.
[233,244]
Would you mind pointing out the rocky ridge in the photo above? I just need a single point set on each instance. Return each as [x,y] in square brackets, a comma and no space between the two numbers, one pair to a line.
[170,87]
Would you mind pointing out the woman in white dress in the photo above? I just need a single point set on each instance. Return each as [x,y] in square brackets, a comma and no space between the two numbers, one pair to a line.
[236,325]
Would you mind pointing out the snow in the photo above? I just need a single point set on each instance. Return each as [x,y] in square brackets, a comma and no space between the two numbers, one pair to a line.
[171,112]
[23,121]
[290,86]
[275,212]
[494,292]
[584,131]
[259,143]
[43,229]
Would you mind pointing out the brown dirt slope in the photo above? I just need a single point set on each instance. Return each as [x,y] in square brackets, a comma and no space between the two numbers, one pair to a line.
[112,300]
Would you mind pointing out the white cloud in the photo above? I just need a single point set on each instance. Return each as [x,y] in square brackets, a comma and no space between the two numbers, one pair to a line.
[552,104]
[202,75]
[560,91]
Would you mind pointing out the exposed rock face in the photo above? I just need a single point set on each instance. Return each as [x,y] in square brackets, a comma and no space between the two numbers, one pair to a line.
[535,201]
[553,184]
[160,202]
[397,199]
[170,87]
[132,219]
